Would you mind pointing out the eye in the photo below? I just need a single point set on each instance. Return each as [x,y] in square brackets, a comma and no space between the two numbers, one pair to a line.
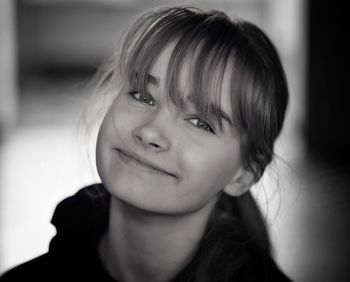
[144,98]
[201,124]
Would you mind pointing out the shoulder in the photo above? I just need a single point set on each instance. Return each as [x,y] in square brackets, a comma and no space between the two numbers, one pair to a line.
[55,267]
[37,269]
[94,195]
[81,211]
[79,220]
[262,268]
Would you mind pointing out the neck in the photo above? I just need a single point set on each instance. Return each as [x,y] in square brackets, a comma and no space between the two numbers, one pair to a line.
[143,246]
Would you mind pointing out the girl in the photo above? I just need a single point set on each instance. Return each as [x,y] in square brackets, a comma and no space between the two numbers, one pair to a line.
[200,101]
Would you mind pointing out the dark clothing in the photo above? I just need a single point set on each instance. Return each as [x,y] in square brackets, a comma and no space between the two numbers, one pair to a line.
[80,221]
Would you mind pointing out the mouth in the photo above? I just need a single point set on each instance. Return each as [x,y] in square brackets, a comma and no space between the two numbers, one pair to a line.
[130,158]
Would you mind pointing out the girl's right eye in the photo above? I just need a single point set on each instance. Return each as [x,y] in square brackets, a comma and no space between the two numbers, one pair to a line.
[144,98]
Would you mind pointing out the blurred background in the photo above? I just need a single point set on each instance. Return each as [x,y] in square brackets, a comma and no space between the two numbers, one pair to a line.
[49,52]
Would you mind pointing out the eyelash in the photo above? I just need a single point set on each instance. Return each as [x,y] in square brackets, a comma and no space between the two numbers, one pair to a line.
[138,97]
[200,124]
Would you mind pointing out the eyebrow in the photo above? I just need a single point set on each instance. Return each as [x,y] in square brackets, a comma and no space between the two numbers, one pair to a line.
[152,79]
[220,114]
[149,78]
[225,116]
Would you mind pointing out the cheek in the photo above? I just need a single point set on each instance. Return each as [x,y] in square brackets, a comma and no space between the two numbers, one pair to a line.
[103,145]
[112,132]
[210,167]
[120,122]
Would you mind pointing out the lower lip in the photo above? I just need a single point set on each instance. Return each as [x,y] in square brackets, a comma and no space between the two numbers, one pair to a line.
[136,164]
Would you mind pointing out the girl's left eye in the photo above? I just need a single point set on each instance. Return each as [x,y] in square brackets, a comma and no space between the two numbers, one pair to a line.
[201,124]
[143,98]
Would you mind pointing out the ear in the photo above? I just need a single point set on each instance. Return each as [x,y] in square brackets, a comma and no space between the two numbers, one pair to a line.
[240,183]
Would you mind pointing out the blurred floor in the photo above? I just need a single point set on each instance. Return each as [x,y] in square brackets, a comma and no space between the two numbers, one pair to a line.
[42,162]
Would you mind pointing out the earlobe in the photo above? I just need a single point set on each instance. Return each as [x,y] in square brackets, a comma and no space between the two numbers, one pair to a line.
[239,184]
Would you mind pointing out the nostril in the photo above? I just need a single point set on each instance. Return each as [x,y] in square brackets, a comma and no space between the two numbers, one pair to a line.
[151,144]
[154,145]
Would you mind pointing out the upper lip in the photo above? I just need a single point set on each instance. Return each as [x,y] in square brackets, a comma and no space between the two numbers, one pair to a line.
[147,163]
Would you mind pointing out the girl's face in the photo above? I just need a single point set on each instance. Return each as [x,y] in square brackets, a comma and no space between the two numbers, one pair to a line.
[160,158]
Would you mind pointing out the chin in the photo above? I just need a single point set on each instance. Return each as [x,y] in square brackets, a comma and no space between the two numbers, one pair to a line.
[154,201]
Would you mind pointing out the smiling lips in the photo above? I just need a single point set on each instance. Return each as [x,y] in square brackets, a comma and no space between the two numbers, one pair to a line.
[129,157]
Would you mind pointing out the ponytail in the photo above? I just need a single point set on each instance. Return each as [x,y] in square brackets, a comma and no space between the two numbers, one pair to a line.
[246,217]
[236,229]
[254,222]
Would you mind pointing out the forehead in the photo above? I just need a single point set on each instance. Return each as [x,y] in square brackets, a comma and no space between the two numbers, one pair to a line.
[186,76]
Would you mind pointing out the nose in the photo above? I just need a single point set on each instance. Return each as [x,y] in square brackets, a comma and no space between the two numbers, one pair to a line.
[153,135]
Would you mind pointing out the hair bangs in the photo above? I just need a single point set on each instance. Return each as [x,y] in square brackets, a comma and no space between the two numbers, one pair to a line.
[206,48]
[146,40]
[207,80]
[200,41]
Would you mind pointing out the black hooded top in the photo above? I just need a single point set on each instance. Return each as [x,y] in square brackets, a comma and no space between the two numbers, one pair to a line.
[80,221]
